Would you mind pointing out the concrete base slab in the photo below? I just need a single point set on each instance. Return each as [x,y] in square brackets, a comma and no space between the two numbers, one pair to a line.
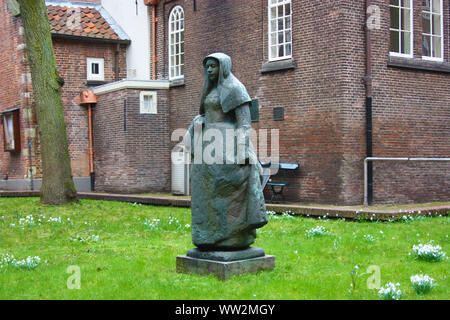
[226,256]
[224,270]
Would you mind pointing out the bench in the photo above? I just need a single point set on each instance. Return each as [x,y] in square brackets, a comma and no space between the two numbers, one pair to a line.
[277,184]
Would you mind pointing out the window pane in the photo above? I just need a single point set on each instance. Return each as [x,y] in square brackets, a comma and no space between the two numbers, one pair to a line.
[273,25]
[406,19]
[273,51]
[436,24]
[395,23]
[288,36]
[288,49]
[406,3]
[95,68]
[426,46]
[273,1]
[437,6]
[394,2]
[281,51]
[280,11]
[288,22]
[406,42]
[426,5]
[280,24]
[437,47]
[395,41]
[280,37]
[273,12]
[287,9]
[182,47]
[182,36]
[273,38]
[426,23]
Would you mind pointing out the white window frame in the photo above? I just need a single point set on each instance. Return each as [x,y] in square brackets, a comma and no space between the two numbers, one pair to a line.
[176,18]
[275,4]
[153,98]
[101,66]
[431,30]
[411,17]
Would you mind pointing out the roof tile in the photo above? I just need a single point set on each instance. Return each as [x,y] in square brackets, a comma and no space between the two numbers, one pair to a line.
[79,21]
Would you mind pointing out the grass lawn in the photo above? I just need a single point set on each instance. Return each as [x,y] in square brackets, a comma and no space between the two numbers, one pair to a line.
[134,255]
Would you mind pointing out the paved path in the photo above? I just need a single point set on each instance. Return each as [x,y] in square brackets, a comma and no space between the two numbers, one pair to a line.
[313,211]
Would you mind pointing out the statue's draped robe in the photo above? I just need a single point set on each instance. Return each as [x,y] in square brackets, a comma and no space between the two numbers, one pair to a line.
[227,199]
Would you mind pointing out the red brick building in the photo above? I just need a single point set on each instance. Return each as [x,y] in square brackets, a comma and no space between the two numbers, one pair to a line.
[83,41]
[305,62]
[309,58]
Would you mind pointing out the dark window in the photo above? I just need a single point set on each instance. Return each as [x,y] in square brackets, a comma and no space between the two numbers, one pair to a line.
[11,130]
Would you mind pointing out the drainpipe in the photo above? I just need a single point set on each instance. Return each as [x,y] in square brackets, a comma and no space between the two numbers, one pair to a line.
[88,98]
[153,4]
[369,99]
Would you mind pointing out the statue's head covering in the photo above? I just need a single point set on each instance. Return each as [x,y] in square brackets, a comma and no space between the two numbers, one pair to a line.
[232,92]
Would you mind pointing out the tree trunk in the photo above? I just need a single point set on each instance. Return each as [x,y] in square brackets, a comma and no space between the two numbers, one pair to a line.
[57,183]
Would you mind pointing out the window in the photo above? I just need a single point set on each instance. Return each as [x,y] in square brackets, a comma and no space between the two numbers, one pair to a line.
[148,103]
[280,29]
[176,43]
[11,130]
[95,69]
[401,28]
[432,24]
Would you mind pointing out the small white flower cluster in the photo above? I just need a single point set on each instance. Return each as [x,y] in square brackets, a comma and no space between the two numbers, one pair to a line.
[152,224]
[316,231]
[390,291]
[55,220]
[28,221]
[422,283]
[429,252]
[369,238]
[170,224]
[91,238]
[7,260]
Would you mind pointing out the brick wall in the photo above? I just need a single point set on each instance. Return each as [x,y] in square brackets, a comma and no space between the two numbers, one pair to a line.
[411,112]
[135,158]
[324,126]
[71,61]
[15,81]
[15,91]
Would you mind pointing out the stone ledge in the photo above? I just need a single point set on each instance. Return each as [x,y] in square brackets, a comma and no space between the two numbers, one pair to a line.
[278,65]
[418,64]
[223,270]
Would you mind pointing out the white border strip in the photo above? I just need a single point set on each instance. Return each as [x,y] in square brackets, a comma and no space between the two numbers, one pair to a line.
[132,84]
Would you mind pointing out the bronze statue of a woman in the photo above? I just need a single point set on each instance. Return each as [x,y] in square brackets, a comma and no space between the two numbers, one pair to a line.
[227,199]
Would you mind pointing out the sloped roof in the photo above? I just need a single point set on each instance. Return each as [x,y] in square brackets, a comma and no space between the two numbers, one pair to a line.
[86,21]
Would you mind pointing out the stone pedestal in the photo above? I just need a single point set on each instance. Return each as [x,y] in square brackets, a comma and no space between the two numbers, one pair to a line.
[224,264]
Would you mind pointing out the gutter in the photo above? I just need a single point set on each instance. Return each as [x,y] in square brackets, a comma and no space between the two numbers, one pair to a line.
[90,39]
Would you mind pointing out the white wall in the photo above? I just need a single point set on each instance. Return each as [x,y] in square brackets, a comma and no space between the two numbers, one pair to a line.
[137,27]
